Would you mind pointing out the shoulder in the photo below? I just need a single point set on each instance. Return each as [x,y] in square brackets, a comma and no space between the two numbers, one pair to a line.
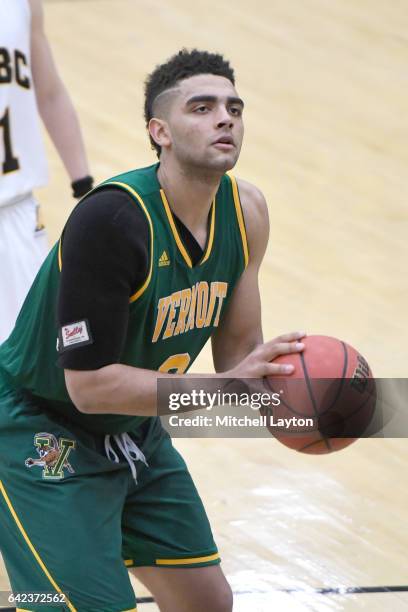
[139,182]
[255,211]
[109,210]
[253,202]
[106,226]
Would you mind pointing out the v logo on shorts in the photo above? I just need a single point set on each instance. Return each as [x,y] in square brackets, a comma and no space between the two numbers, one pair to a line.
[53,455]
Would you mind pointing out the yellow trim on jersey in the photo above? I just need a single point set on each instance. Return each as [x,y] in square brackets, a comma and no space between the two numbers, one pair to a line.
[60,254]
[128,562]
[187,561]
[240,217]
[134,193]
[211,236]
[176,235]
[30,545]
[174,230]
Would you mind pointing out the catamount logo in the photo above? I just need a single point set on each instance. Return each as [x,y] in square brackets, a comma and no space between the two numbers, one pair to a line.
[53,455]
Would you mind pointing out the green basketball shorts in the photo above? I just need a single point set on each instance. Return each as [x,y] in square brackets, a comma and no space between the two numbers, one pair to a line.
[75,514]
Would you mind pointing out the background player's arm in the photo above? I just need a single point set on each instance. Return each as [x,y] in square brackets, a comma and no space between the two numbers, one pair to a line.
[240,330]
[54,103]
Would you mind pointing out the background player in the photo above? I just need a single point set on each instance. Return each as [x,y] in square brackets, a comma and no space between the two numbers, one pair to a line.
[29,84]
[181,266]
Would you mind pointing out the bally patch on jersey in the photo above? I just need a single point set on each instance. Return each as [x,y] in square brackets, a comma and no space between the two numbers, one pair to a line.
[74,334]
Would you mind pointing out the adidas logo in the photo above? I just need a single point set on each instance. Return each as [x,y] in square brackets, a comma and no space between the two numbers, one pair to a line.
[164,260]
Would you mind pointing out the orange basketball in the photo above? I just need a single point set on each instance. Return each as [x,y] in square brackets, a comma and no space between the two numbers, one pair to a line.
[333,386]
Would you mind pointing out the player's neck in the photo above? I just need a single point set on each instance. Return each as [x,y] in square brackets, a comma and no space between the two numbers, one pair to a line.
[189,194]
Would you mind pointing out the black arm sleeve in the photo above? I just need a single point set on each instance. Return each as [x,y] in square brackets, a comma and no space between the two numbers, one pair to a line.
[105,259]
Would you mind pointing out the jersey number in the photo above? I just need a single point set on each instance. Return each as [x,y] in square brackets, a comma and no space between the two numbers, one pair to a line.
[176,364]
[10,162]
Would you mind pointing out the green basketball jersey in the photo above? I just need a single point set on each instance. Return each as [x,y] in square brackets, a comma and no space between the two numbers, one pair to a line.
[171,315]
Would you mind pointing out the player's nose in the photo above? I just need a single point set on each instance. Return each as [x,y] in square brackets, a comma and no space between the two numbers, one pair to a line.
[224,117]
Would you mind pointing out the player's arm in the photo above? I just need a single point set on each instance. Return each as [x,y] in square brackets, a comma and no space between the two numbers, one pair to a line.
[55,105]
[237,344]
[96,284]
[105,260]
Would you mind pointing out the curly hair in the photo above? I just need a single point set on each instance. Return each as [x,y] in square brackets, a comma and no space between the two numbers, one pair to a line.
[182,65]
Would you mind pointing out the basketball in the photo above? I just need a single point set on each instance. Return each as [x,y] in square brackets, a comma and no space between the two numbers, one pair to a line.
[332,385]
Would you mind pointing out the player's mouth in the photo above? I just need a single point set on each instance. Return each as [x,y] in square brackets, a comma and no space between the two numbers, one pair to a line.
[224,143]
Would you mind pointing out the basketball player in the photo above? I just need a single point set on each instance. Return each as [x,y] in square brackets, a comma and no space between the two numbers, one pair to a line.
[149,266]
[29,84]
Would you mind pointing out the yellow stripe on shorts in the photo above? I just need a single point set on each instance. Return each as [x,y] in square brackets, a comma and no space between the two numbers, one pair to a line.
[30,545]
[187,561]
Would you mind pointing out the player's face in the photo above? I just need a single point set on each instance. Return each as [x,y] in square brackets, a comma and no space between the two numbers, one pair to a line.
[205,123]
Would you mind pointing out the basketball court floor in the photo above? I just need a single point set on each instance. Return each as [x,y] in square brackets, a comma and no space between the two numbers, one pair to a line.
[326,92]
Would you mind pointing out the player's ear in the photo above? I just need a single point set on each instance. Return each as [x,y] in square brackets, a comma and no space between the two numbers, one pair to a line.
[159,131]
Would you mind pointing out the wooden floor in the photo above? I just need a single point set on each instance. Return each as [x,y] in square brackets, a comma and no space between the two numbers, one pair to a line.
[326,91]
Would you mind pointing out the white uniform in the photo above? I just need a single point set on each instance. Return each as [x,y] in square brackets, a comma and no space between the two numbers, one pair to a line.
[23,164]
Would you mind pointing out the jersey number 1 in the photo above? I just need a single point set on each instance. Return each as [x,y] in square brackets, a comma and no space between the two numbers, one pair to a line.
[10,162]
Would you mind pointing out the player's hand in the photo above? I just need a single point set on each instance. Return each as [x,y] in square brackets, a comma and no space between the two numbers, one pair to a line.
[258,363]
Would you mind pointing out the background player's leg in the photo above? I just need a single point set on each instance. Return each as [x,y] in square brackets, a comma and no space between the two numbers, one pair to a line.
[181,590]
[23,248]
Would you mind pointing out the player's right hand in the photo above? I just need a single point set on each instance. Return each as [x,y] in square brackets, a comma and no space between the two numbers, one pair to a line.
[259,362]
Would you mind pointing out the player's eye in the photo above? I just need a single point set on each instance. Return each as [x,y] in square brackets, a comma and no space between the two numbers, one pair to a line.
[236,111]
[201,109]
